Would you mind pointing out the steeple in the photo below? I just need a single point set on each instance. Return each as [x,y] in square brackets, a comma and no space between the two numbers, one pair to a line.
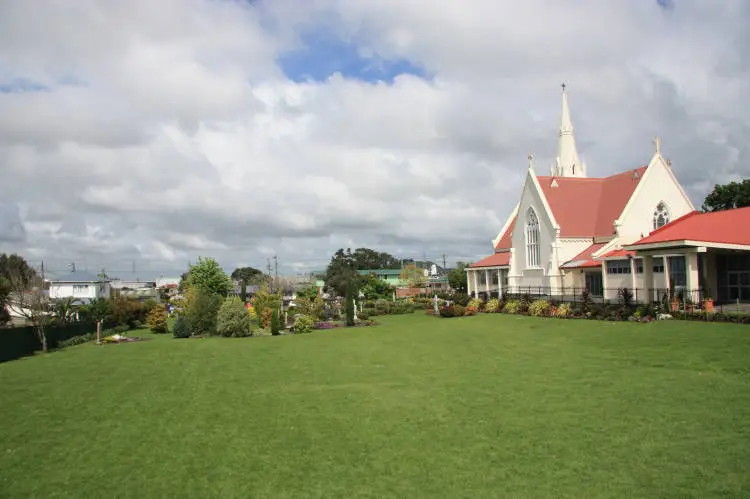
[567,162]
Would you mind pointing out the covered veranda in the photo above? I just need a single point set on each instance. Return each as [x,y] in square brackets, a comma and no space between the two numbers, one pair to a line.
[486,278]
[705,256]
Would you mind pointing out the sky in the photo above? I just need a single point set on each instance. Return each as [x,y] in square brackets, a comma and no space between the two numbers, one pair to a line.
[146,134]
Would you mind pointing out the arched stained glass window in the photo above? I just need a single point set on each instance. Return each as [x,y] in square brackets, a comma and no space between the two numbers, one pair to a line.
[533,256]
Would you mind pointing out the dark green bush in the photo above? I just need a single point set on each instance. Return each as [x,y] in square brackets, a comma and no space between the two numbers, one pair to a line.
[275,322]
[458,310]
[202,312]
[181,328]
[363,316]
[77,340]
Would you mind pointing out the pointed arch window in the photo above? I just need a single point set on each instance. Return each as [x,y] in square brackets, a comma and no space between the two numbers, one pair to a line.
[533,257]
[661,215]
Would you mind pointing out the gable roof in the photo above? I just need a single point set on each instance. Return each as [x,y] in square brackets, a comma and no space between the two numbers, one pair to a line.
[585,258]
[505,243]
[494,260]
[717,227]
[605,200]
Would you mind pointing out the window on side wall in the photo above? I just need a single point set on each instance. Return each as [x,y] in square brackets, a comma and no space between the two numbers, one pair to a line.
[533,252]
[618,267]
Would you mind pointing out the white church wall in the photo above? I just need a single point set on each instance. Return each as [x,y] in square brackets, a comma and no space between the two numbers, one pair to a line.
[657,185]
[568,248]
[530,276]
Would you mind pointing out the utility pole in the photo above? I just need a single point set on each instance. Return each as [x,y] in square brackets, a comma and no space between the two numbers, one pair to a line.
[43,271]
[275,271]
[72,266]
[444,266]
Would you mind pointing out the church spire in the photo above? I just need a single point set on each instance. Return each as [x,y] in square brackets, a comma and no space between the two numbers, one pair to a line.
[568,164]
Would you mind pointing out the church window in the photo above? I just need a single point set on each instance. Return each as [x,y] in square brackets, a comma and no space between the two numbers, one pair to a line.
[661,215]
[533,257]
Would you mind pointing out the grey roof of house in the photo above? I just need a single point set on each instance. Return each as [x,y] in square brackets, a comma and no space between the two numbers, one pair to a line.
[78,276]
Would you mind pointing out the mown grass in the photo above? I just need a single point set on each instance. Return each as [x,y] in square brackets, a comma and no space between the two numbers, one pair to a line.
[482,406]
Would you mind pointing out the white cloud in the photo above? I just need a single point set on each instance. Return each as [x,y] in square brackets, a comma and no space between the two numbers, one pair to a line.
[169,130]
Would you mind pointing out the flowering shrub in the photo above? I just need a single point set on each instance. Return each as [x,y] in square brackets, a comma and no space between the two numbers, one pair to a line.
[512,307]
[303,324]
[563,310]
[459,310]
[470,310]
[492,306]
[539,308]
[447,311]
[475,303]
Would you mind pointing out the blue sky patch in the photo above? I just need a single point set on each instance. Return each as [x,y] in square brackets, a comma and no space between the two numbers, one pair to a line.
[321,56]
[665,4]
[21,85]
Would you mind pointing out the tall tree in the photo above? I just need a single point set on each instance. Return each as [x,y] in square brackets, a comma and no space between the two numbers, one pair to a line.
[28,299]
[340,271]
[248,276]
[457,277]
[728,196]
[366,258]
[209,277]
[12,267]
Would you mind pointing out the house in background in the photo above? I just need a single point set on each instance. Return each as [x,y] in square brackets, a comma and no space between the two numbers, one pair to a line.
[391,276]
[82,286]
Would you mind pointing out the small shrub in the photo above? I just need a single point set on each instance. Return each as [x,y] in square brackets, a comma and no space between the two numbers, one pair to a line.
[181,328]
[447,311]
[276,325]
[303,324]
[470,310]
[512,307]
[382,306]
[587,303]
[120,328]
[76,340]
[459,310]
[232,319]
[265,318]
[363,316]
[539,308]
[563,310]
[475,303]
[460,299]
[625,296]
[157,320]
[492,306]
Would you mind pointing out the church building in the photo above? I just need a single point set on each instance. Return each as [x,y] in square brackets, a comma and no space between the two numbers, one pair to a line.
[571,231]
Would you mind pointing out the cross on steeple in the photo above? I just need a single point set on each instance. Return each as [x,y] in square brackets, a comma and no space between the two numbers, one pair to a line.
[657,144]
[531,160]
[563,85]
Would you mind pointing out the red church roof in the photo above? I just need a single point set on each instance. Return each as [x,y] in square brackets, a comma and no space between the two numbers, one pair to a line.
[719,227]
[504,242]
[603,200]
[495,260]
[585,258]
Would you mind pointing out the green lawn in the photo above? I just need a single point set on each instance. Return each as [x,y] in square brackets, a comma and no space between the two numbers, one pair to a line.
[417,407]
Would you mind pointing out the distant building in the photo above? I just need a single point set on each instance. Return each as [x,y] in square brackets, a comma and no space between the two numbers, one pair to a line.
[79,285]
[391,276]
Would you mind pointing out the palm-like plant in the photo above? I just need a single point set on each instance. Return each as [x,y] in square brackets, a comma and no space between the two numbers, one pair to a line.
[66,308]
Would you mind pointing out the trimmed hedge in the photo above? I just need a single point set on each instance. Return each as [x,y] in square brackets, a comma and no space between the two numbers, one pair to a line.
[22,341]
